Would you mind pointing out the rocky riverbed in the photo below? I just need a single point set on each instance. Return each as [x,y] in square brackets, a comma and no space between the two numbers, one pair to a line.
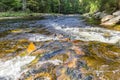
[60,47]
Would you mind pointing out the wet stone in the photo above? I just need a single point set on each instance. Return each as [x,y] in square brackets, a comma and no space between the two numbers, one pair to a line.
[45,68]
[49,55]
[89,78]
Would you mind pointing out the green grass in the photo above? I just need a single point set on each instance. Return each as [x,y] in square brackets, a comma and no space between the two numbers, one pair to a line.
[22,14]
[18,14]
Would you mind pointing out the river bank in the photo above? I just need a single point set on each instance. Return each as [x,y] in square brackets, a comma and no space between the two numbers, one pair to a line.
[103,19]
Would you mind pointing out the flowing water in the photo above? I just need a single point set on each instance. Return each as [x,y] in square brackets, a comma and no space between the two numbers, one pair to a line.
[66,48]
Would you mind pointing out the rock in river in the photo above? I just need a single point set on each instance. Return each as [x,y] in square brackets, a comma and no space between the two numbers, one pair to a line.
[112,21]
[106,18]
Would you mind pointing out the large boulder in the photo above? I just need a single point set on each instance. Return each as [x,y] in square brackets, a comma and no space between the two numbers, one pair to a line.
[106,18]
[103,14]
[87,15]
[112,21]
[117,13]
[99,15]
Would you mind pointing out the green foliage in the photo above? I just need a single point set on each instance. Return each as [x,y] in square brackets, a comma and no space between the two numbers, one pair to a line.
[60,6]
[99,5]
[94,6]
[6,5]
[15,14]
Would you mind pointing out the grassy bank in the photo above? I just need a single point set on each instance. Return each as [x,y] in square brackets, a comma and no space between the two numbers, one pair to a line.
[13,16]
[24,14]
[19,16]
[96,22]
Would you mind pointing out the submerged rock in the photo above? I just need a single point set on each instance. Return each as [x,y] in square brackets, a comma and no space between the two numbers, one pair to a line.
[106,57]
[71,73]
[103,51]
[49,55]
[63,55]
[57,65]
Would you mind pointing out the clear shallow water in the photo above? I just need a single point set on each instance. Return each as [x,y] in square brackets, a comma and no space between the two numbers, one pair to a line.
[57,28]
[77,29]
[71,26]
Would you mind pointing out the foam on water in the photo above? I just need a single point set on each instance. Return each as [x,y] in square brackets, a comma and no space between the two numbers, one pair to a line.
[55,62]
[73,26]
[12,69]
[93,34]
[39,37]
[77,29]
[30,36]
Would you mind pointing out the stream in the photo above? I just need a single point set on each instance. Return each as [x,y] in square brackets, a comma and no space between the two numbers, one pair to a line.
[66,48]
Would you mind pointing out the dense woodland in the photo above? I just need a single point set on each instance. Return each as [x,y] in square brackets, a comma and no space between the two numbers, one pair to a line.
[59,6]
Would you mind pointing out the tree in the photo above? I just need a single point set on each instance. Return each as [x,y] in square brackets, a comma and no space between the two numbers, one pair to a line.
[60,6]
[24,5]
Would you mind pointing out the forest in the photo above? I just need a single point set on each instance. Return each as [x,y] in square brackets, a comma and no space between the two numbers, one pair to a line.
[59,6]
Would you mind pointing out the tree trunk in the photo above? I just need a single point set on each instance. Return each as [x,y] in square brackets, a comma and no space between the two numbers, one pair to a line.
[59,9]
[24,5]
[119,4]
[59,6]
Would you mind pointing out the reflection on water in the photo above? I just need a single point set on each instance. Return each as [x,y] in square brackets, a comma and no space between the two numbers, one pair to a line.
[66,48]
